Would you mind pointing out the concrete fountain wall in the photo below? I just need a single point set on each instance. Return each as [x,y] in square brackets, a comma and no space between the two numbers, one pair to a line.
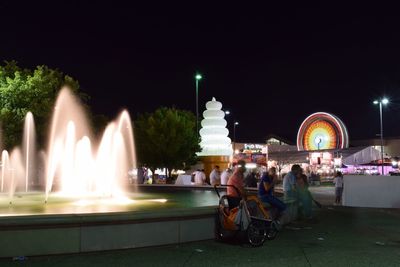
[58,234]
[79,233]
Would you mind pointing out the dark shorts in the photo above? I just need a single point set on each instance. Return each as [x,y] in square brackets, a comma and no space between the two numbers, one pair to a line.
[338,191]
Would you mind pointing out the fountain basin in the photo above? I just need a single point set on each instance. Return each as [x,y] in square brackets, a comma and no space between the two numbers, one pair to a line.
[187,215]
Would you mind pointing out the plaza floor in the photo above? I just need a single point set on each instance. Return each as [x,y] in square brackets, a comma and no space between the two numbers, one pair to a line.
[339,237]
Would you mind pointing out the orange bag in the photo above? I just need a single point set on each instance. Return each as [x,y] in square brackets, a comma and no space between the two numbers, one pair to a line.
[229,220]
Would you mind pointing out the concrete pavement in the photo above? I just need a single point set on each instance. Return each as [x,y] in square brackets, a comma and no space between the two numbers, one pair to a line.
[340,237]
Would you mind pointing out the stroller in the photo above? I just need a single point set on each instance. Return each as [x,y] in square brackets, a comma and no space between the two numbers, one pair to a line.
[248,218]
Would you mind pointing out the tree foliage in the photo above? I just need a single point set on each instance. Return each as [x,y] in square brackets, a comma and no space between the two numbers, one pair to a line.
[167,139]
[23,90]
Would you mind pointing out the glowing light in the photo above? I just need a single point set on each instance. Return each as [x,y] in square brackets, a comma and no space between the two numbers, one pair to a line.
[82,166]
[5,166]
[87,167]
[319,135]
[161,200]
[322,131]
[133,172]
[337,162]
[251,165]
[214,134]
[198,76]
[384,101]
[29,147]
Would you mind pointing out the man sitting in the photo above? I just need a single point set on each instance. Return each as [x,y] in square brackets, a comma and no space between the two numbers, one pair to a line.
[289,182]
[266,189]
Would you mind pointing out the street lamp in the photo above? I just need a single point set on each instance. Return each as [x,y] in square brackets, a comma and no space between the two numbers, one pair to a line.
[227,113]
[234,135]
[381,102]
[197,77]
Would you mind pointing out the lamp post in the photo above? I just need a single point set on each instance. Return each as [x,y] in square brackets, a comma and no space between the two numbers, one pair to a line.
[227,112]
[381,102]
[197,77]
[234,135]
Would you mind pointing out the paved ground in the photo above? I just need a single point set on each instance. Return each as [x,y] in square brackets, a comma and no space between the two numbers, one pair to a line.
[340,237]
[324,194]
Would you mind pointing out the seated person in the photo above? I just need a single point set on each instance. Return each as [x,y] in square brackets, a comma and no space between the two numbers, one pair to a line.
[237,181]
[304,195]
[266,189]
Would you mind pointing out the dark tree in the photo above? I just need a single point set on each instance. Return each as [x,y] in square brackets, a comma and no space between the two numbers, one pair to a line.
[167,139]
[23,90]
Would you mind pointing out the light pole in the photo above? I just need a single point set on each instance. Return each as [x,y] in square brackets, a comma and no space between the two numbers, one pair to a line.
[227,112]
[381,102]
[198,77]
[234,135]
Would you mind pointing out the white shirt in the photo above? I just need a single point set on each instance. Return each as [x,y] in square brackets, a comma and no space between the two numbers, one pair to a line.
[215,177]
[289,181]
[225,177]
[338,181]
[199,178]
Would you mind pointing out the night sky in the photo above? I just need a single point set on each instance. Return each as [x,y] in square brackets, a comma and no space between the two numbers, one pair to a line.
[270,65]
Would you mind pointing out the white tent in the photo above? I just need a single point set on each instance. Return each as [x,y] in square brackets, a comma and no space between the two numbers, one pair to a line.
[363,156]
[351,156]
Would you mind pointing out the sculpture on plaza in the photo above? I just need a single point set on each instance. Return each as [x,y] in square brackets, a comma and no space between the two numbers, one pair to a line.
[215,144]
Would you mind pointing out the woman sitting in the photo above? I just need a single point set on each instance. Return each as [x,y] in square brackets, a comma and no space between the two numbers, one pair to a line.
[304,195]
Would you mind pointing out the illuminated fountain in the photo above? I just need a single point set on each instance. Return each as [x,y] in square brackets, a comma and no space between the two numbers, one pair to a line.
[80,165]
[29,148]
[77,173]
[84,182]
[84,167]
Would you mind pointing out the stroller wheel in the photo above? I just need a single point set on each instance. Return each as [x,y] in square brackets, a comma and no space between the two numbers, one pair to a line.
[256,233]
[276,225]
[272,233]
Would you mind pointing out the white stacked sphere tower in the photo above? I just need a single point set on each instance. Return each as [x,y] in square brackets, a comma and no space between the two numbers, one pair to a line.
[214,134]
